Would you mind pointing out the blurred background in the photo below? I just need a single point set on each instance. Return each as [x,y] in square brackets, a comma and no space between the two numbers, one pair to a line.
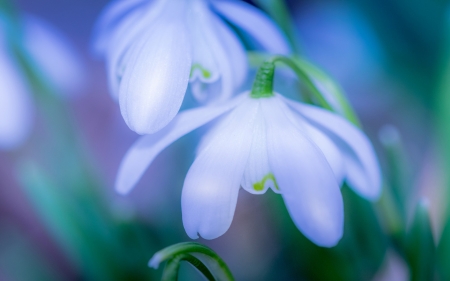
[60,218]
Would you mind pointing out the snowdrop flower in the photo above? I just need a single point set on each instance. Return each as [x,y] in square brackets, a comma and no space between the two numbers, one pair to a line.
[155,48]
[300,151]
[58,63]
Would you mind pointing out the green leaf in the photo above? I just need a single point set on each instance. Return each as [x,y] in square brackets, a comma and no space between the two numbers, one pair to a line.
[443,253]
[205,260]
[420,249]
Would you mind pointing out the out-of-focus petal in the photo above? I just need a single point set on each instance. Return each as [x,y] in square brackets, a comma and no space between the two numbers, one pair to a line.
[16,110]
[255,23]
[361,164]
[108,20]
[156,77]
[54,55]
[212,184]
[142,153]
[306,181]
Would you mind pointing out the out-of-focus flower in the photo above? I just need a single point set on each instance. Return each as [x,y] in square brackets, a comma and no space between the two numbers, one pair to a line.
[154,49]
[53,57]
[16,108]
[300,151]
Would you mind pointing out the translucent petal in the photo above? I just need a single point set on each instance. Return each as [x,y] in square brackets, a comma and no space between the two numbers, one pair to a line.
[361,164]
[156,77]
[144,151]
[329,149]
[255,23]
[306,181]
[212,184]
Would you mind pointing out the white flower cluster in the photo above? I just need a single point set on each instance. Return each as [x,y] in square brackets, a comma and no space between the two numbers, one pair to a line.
[156,49]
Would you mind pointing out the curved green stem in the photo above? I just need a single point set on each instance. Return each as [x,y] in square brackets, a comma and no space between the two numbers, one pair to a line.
[173,265]
[187,248]
[263,85]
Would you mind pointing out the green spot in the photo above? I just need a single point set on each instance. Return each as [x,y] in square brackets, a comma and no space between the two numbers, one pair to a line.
[259,186]
[205,73]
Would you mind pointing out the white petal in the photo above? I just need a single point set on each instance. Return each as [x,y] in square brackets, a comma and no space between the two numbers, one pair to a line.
[156,77]
[362,168]
[329,149]
[134,26]
[305,179]
[258,176]
[16,109]
[212,184]
[256,24]
[108,20]
[142,153]
[54,55]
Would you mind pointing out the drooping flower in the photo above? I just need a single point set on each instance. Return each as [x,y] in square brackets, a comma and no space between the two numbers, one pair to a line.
[52,55]
[154,49]
[300,151]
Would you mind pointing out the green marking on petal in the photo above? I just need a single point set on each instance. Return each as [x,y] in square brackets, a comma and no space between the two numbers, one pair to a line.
[259,186]
[205,72]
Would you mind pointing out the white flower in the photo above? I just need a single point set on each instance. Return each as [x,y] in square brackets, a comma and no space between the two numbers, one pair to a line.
[300,151]
[51,54]
[155,48]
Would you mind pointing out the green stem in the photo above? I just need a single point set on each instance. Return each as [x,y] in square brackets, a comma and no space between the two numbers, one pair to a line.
[173,265]
[263,85]
[221,269]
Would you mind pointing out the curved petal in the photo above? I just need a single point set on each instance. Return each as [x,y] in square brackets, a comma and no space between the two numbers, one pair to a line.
[306,181]
[124,35]
[156,77]
[362,168]
[329,149]
[144,151]
[108,20]
[16,109]
[212,184]
[256,24]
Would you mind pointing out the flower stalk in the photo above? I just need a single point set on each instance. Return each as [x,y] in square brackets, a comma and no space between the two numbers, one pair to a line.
[177,253]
